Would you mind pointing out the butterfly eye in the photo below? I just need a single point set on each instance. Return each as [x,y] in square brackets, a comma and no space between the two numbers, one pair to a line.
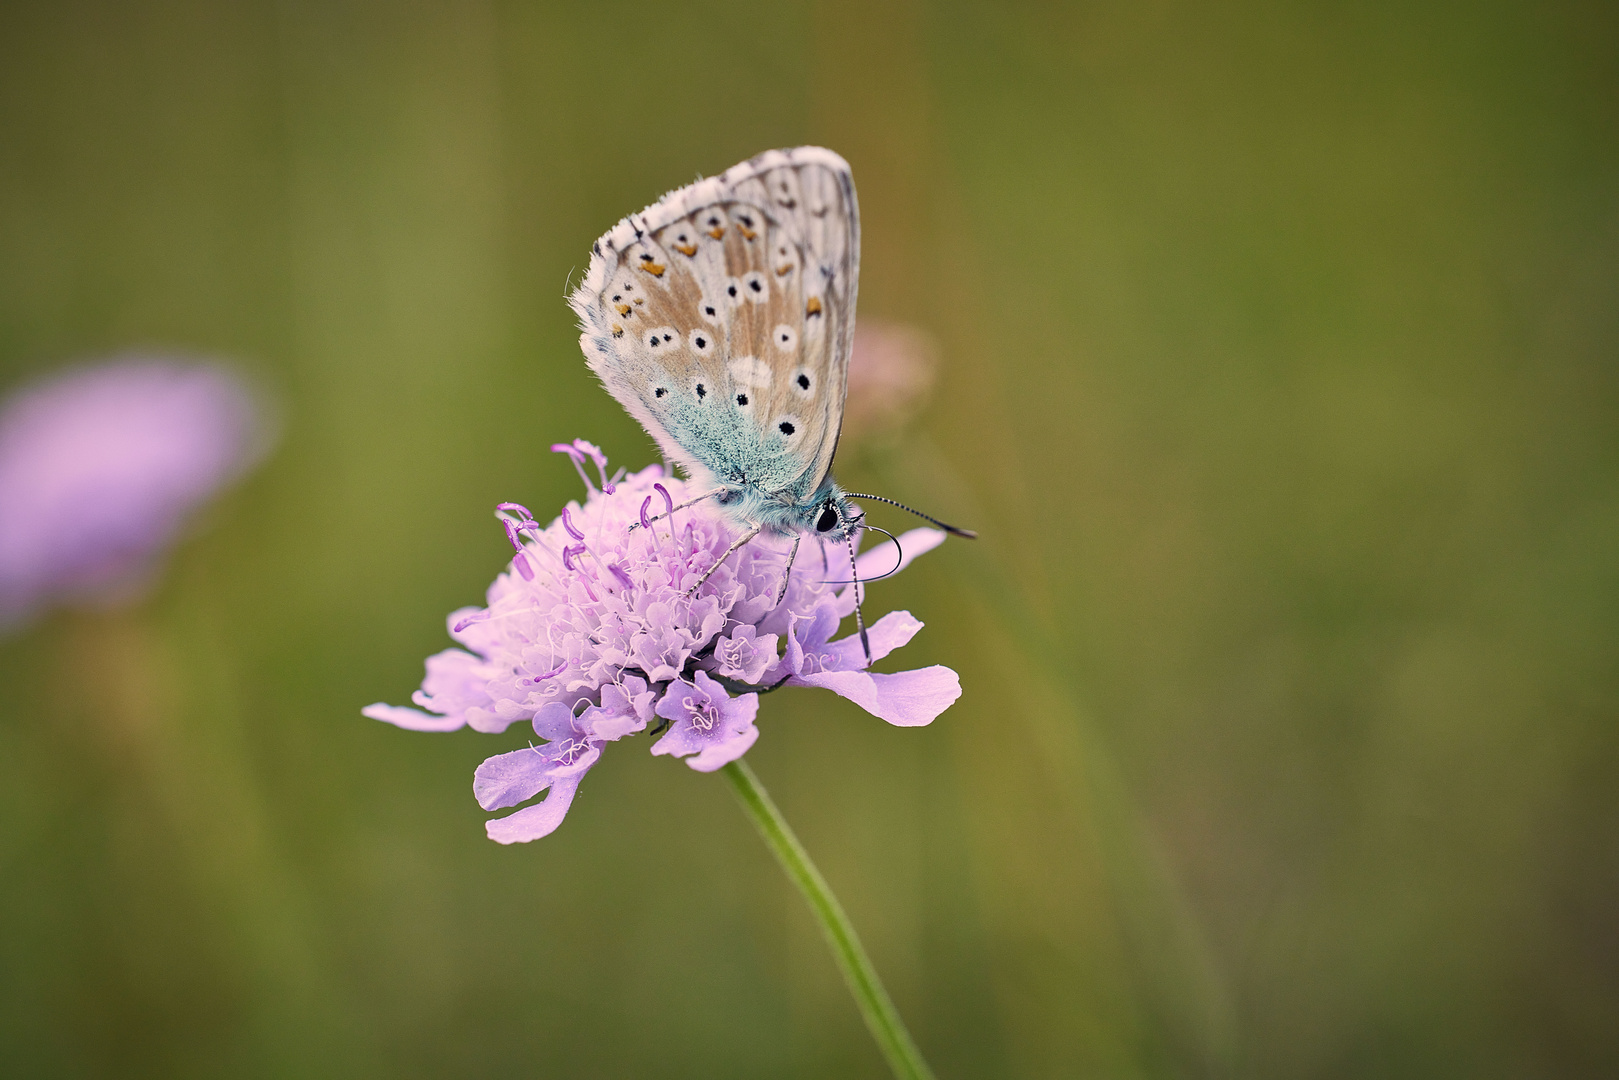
[828,519]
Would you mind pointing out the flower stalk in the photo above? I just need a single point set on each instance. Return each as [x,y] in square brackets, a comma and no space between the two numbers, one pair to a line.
[882,1019]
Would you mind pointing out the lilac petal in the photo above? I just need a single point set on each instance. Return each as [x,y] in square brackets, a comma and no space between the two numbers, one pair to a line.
[879,562]
[816,629]
[721,754]
[541,819]
[880,559]
[553,721]
[508,779]
[886,634]
[610,725]
[412,719]
[457,675]
[904,699]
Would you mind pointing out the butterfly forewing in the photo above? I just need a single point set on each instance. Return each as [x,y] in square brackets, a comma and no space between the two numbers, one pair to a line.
[721,318]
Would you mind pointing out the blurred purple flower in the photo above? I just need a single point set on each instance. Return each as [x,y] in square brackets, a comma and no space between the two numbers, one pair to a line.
[589,637]
[100,467]
[891,373]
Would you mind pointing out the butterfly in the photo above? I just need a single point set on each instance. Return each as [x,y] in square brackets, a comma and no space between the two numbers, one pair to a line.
[721,317]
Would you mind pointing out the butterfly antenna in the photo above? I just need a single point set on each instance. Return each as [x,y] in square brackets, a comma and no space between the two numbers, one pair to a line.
[951,529]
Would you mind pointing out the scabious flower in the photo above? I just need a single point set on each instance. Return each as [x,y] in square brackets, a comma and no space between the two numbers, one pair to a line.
[100,467]
[589,636]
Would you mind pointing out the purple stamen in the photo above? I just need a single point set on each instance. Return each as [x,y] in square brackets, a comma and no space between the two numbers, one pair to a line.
[516,508]
[511,533]
[668,503]
[553,673]
[569,552]
[646,522]
[468,621]
[567,523]
[577,451]
[601,462]
[619,573]
[578,462]
[521,562]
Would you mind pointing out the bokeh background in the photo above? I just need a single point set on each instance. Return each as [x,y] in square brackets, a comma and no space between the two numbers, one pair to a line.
[1279,370]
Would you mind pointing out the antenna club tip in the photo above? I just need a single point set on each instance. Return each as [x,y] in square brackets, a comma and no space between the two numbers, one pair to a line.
[965,534]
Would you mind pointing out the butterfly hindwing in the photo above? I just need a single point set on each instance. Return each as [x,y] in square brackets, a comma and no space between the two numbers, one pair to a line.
[721,318]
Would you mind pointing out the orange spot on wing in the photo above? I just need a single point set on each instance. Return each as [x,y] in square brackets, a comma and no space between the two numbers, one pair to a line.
[618,331]
[687,250]
[813,308]
[655,269]
[784,269]
[624,309]
[747,233]
[717,231]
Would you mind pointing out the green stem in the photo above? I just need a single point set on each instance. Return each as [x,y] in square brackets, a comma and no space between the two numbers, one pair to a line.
[875,1005]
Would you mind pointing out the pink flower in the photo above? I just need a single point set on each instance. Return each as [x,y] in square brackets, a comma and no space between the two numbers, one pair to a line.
[590,637]
[101,466]
[891,373]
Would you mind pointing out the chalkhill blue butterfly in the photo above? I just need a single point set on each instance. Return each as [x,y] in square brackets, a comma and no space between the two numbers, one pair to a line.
[722,317]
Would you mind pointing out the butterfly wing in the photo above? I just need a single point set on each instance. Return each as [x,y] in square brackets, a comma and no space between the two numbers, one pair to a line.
[722,316]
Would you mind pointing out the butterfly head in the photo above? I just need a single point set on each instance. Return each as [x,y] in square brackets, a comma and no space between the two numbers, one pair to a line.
[833,518]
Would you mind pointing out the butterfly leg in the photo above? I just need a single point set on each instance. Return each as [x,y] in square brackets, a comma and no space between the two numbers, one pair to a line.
[743,539]
[689,502]
[787,575]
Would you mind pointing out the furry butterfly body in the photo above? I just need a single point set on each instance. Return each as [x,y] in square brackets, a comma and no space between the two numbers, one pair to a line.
[722,317]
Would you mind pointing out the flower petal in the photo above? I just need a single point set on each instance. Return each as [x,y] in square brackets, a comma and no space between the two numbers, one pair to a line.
[508,779]
[879,561]
[533,822]
[886,634]
[457,685]
[411,719]
[718,755]
[553,721]
[609,726]
[904,699]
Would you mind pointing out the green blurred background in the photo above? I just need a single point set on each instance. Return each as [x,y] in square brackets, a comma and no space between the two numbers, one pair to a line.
[1280,374]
